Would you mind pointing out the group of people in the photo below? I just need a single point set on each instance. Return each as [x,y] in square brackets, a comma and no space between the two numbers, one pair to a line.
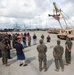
[9,41]
[58,51]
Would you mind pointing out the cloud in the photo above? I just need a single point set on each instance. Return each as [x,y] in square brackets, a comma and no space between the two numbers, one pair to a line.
[23,8]
[32,12]
[69,1]
[18,9]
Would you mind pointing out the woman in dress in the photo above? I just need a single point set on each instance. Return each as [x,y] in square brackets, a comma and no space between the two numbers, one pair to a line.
[20,53]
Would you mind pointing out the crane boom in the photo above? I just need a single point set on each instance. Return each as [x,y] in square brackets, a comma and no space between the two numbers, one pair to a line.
[56,9]
[60,12]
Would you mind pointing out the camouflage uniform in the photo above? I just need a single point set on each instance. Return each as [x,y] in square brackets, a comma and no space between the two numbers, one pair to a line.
[4,53]
[29,40]
[7,42]
[14,38]
[42,49]
[67,52]
[42,37]
[58,51]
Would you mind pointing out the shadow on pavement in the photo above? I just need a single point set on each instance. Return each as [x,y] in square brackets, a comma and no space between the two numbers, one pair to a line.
[29,60]
[49,62]
[12,61]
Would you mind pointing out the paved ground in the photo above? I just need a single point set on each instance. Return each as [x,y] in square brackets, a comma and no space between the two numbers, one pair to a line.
[32,60]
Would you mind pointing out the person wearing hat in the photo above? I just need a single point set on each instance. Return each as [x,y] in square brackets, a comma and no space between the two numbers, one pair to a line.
[4,49]
[42,49]
[20,54]
[57,53]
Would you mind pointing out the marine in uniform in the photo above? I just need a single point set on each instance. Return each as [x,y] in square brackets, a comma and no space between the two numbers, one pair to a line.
[68,46]
[42,37]
[57,53]
[7,42]
[42,49]
[29,40]
[4,49]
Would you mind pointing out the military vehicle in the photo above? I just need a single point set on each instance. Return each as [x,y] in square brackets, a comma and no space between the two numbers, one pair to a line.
[64,32]
[53,31]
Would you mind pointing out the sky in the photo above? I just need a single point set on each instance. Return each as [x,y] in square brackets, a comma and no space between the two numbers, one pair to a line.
[33,13]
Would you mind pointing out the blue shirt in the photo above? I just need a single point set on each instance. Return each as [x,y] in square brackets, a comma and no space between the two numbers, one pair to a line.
[19,48]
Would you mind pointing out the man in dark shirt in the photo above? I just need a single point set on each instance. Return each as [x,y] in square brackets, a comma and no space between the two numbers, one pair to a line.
[34,39]
[48,38]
